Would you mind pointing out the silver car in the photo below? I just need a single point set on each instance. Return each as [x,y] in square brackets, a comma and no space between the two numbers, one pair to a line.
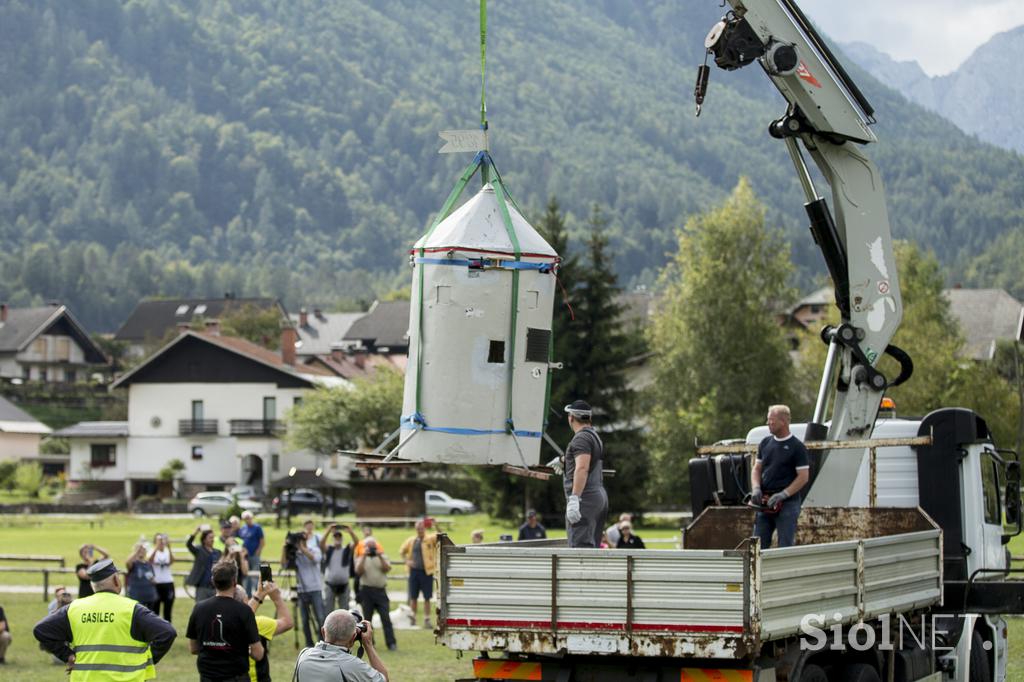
[216,503]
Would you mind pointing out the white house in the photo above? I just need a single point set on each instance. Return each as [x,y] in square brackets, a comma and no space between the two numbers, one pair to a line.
[46,344]
[217,404]
[20,434]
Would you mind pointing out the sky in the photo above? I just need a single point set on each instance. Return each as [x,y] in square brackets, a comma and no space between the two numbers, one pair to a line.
[937,34]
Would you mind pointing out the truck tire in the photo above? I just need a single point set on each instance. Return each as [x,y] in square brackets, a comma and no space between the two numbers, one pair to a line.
[860,672]
[812,673]
[979,659]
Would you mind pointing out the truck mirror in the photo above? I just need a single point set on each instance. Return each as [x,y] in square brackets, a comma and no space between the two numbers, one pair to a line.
[1013,500]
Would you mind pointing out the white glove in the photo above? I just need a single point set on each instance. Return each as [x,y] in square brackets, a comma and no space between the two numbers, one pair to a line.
[572,510]
[556,464]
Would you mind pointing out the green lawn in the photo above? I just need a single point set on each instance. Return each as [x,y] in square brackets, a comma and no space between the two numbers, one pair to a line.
[418,657]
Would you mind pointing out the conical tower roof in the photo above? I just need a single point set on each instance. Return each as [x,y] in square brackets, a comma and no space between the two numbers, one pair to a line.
[477,225]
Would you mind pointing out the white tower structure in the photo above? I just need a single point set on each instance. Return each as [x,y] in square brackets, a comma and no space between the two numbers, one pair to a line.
[476,384]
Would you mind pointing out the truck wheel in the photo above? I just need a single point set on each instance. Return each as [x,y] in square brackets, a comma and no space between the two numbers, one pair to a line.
[860,672]
[812,673]
[979,659]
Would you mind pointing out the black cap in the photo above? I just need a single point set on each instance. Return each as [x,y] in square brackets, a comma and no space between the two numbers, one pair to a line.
[532,512]
[579,408]
[225,524]
[101,570]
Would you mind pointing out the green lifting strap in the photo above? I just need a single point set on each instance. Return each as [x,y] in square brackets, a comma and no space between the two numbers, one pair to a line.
[483,62]
[499,191]
[446,210]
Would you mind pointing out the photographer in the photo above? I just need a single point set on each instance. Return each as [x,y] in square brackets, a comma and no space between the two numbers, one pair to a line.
[372,568]
[302,550]
[332,656]
[338,565]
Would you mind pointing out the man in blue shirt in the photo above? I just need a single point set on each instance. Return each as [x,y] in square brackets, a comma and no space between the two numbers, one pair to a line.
[782,469]
[251,534]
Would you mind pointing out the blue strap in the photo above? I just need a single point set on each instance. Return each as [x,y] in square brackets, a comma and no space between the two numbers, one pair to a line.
[486,263]
[417,421]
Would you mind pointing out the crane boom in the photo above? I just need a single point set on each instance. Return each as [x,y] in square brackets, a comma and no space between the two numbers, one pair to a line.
[828,119]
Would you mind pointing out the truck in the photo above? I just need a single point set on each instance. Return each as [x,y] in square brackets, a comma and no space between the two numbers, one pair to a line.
[900,571]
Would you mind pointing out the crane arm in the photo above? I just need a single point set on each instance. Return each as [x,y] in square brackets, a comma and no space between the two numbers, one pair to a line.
[828,119]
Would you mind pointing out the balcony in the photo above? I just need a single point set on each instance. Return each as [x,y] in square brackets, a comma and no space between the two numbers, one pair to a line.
[205,427]
[257,427]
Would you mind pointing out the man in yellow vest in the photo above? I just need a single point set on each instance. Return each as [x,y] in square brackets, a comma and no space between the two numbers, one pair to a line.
[106,636]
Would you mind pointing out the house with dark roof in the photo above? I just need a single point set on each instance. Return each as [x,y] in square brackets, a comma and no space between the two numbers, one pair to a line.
[319,331]
[986,317]
[47,344]
[20,435]
[216,403]
[155,318]
[383,329]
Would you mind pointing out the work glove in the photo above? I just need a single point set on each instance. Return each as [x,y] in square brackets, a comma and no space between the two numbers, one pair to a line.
[756,496]
[572,510]
[777,499]
[556,465]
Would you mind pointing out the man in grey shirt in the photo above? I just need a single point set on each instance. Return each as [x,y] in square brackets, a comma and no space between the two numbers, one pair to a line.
[310,582]
[586,503]
[331,659]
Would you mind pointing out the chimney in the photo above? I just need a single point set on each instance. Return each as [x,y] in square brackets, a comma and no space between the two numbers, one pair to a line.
[213,327]
[359,358]
[289,336]
[183,327]
[337,353]
[303,318]
[3,312]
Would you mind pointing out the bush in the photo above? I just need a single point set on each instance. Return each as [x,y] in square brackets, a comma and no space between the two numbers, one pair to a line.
[7,470]
[234,509]
[28,478]
[172,468]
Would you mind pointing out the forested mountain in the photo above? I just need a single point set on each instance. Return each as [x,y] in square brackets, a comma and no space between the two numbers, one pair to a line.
[195,147]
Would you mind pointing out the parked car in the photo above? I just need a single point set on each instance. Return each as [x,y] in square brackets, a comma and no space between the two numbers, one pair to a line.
[216,503]
[246,492]
[308,500]
[439,502]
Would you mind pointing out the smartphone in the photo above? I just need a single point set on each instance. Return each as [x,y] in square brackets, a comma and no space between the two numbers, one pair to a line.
[265,575]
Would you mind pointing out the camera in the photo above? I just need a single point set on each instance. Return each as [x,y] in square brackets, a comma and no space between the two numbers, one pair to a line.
[360,626]
[371,550]
[291,547]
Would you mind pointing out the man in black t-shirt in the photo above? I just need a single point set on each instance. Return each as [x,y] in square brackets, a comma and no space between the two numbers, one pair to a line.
[222,631]
[781,471]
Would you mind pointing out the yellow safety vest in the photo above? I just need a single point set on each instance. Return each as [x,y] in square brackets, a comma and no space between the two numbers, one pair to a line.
[101,627]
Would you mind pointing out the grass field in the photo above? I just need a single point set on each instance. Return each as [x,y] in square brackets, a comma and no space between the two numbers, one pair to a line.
[418,657]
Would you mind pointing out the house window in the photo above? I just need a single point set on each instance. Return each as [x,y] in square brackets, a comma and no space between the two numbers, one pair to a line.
[197,452]
[269,408]
[70,376]
[197,410]
[147,488]
[63,348]
[275,462]
[101,455]
[297,400]
[39,347]
[200,309]
[182,310]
